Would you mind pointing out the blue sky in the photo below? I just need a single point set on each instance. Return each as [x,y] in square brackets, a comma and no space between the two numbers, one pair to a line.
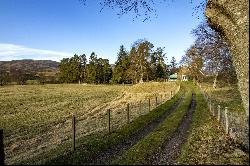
[54,29]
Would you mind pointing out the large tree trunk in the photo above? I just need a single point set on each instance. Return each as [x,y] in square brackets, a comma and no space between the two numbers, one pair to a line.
[231,19]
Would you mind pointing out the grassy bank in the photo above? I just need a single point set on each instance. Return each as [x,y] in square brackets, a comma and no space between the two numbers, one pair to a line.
[227,96]
[91,145]
[141,152]
[207,142]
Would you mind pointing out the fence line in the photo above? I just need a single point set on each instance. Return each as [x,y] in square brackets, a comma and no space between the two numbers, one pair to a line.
[235,125]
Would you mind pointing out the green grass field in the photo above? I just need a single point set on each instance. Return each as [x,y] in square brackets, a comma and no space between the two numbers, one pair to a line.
[36,118]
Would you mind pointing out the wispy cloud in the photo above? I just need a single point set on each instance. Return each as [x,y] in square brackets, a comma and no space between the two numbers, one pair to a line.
[16,52]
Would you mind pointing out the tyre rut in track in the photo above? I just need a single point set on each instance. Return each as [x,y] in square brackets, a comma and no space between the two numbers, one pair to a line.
[171,148]
[116,150]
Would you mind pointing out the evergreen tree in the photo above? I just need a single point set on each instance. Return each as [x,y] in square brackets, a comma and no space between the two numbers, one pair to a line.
[132,71]
[120,74]
[92,69]
[173,65]
[75,69]
[157,64]
[70,69]
[64,70]
[104,71]
[83,70]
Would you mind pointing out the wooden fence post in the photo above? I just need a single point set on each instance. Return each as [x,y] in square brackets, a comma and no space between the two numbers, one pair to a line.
[109,120]
[171,94]
[73,131]
[2,157]
[149,104]
[218,118]
[128,113]
[226,121]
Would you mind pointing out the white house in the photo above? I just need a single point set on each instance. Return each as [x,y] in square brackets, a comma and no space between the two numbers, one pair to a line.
[184,77]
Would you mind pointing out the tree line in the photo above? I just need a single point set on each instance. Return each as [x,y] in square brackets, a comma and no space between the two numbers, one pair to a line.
[141,63]
[76,69]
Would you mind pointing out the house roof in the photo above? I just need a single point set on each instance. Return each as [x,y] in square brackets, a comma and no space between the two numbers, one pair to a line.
[173,76]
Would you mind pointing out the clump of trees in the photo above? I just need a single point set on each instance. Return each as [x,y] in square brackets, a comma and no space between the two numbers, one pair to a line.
[141,63]
[209,57]
[76,69]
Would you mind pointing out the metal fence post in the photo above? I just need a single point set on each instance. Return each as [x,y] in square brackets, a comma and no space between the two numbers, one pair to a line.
[226,121]
[2,156]
[218,118]
[161,99]
[171,94]
[156,100]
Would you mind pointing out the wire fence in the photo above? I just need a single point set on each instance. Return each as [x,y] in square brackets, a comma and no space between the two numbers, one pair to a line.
[235,124]
[19,148]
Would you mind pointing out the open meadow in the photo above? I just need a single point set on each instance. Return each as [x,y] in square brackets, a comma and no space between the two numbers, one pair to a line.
[37,118]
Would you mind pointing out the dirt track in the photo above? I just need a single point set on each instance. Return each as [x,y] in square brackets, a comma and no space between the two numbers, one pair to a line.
[116,150]
[170,150]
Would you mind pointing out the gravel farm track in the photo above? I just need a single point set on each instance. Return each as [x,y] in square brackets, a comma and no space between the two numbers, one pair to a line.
[171,148]
[167,153]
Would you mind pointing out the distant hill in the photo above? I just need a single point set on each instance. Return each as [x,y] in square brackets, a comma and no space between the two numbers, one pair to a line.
[30,65]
